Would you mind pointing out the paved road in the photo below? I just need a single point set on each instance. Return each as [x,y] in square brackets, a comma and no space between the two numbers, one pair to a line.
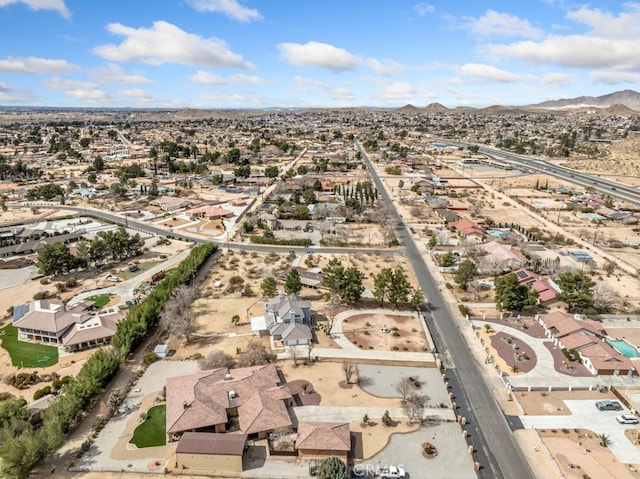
[490,434]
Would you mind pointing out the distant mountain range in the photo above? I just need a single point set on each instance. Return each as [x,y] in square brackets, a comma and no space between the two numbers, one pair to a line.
[625,102]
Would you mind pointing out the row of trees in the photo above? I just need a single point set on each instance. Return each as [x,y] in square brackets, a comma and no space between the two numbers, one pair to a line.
[56,258]
[22,448]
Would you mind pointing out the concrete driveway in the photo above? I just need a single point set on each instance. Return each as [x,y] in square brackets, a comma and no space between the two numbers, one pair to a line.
[452,462]
[585,415]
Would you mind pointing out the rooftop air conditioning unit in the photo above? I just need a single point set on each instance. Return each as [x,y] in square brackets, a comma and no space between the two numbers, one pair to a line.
[227,377]
[232,394]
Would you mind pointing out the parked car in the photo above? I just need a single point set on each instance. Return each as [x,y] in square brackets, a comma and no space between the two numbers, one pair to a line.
[609,406]
[627,419]
[113,279]
[390,472]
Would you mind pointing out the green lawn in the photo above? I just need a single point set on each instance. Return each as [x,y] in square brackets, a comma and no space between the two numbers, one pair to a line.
[126,274]
[100,300]
[28,355]
[152,431]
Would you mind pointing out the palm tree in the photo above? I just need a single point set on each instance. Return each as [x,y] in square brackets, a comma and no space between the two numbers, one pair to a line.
[605,440]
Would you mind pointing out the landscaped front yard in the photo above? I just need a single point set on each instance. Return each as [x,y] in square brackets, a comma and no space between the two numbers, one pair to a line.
[100,300]
[24,354]
[151,432]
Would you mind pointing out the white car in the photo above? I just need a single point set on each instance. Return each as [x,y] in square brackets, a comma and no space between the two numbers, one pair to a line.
[390,472]
[113,279]
[627,419]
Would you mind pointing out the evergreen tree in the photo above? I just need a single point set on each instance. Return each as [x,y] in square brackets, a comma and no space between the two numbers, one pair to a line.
[293,284]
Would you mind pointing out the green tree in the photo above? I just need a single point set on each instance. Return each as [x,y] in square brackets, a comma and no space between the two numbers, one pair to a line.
[243,171]
[333,276]
[352,287]
[467,270]
[293,284]
[98,164]
[232,156]
[577,291]
[271,171]
[55,259]
[332,468]
[513,296]
[382,284]
[433,241]
[447,260]
[269,287]
[300,212]
[386,419]
[399,289]
[417,298]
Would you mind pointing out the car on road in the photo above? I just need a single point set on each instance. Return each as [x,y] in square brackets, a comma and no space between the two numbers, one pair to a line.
[627,419]
[609,406]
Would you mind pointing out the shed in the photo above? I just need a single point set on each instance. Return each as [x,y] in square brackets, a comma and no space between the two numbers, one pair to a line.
[162,350]
[211,451]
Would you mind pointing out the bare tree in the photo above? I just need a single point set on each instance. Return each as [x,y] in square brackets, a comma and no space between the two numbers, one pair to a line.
[309,349]
[115,399]
[294,352]
[404,387]
[413,407]
[603,297]
[216,359]
[177,313]
[255,354]
[349,370]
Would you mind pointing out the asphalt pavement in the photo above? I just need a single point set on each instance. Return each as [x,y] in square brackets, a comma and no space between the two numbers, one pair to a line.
[495,447]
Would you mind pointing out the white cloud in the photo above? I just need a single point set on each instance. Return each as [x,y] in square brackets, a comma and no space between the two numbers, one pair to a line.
[230,8]
[615,78]
[489,73]
[398,91]
[576,51]
[234,98]
[494,23]
[80,90]
[14,94]
[57,5]
[166,43]
[604,24]
[389,67]
[557,79]
[423,9]
[112,73]
[36,66]
[206,78]
[138,95]
[335,93]
[319,55]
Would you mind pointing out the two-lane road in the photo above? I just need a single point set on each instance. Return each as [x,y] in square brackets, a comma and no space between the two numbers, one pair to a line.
[489,432]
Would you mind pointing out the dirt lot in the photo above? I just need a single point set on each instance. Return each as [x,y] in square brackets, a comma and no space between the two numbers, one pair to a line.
[537,403]
[403,333]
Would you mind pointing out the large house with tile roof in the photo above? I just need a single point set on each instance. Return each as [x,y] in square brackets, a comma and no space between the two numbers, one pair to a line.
[252,398]
[77,327]
[588,338]
[322,439]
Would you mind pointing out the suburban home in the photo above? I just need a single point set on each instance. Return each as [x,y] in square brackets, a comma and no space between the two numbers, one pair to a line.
[75,328]
[588,338]
[468,229]
[322,439]
[251,400]
[502,254]
[287,318]
[210,212]
[546,288]
[212,452]
[171,203]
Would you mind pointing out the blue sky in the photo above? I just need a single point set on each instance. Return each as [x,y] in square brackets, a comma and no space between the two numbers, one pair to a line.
[313,53]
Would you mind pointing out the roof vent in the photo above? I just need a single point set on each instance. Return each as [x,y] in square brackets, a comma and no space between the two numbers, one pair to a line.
[185,404]
[227,377]
[232,394]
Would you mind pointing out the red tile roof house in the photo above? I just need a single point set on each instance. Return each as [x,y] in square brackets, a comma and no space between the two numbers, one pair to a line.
[587,337]
[209,400]
[547,290]
[75,328]
[468,229]
[322,439]
[210,212]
